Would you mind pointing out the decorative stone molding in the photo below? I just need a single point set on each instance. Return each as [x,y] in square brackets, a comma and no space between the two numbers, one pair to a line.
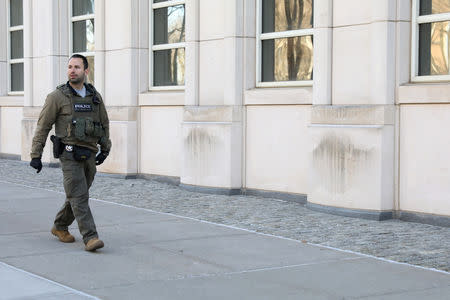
[353,114]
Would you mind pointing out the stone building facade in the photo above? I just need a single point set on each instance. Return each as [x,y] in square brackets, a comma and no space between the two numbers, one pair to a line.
[341,104]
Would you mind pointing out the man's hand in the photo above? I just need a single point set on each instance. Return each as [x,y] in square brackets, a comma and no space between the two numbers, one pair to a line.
[37,164]
[100,158]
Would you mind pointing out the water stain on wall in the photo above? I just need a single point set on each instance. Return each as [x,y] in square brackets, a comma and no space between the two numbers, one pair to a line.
[28,129]
[338,162]
[201,145]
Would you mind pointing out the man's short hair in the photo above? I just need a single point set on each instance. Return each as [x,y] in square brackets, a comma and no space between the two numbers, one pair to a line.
[85,61]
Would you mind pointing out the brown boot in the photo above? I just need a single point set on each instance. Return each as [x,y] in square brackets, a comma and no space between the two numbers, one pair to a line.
[63,235]
[94,244]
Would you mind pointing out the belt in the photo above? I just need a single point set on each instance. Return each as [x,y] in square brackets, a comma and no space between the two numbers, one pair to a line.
[70,148]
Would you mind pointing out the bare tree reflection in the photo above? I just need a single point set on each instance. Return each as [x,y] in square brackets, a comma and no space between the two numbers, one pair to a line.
[177,31]
[434,40]
[294,13]
[293,55]
[439,48]
[169,28]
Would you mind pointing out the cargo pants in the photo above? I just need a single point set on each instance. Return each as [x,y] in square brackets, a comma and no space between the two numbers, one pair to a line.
[78,178]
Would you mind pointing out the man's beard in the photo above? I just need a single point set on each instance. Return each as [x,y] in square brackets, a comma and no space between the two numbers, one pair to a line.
[77,80]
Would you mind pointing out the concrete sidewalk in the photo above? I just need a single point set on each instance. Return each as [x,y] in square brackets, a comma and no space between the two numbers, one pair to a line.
[151,255]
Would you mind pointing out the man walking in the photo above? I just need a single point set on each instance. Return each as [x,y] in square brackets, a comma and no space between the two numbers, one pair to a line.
[81,124]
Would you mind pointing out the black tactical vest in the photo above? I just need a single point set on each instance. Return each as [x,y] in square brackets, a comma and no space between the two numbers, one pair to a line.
[83,125]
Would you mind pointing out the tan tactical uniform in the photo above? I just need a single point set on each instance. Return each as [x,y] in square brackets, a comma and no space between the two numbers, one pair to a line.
[59,110]
[82,122]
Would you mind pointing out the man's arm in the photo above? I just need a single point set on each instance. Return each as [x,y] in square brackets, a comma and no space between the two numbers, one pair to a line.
[47,118]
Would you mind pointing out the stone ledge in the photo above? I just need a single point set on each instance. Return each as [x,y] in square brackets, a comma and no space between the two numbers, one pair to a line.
[290,197]
[424,93]
[173,180]
[13,101]
[210,190]
[10,156]
[353,213]
[423,218]
[279,96]
[118,176]
[225,113]
[353,114]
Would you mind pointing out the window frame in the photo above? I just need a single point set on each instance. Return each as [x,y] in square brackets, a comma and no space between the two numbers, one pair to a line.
[73,19]
[260,36]
[153,47]
[416,20]
[11,61]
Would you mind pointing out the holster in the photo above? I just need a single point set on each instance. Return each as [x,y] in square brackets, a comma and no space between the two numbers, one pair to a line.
[58,146]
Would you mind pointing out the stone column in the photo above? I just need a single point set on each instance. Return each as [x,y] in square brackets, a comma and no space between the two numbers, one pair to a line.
[352,140]
[212,122]
[323,50]
[99,56]
[42,52]
[120,47]
[28,51]
[192,52]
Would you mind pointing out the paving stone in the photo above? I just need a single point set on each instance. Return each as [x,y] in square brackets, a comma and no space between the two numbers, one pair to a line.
[413,243]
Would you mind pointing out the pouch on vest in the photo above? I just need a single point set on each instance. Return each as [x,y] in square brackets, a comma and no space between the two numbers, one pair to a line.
[81,153]
[89,127]
[98,129]
[79,128]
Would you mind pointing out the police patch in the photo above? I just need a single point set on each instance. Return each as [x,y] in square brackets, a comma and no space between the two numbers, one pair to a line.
[82,107]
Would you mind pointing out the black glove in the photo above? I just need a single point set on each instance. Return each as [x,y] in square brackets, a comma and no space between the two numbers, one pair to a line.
[37,164]
[100,158]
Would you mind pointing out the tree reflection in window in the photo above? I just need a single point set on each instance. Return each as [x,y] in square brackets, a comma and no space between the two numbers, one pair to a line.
[434,45]
[287,58]
[169,28]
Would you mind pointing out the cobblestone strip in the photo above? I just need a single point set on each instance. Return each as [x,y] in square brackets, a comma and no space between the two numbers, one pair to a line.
[413,243]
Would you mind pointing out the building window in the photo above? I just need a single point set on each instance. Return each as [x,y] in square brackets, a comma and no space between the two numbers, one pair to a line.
[15,47]
[431,32]
[168,44]
[83,42]
[285,42]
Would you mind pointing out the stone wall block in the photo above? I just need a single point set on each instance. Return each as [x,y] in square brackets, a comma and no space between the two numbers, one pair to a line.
[352,157]
[212,147]
[352,167]
[123,156]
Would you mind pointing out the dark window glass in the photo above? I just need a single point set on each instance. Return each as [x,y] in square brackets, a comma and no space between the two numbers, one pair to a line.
[16,12]
[428,7]
[168,67]
[82,7]
[287,59]
[169,25]
[434,48]
[83,36]
[17,77]
[17,44]
[283,15]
